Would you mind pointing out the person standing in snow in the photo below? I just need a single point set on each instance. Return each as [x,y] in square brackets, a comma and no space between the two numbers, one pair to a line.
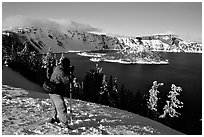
[62,77]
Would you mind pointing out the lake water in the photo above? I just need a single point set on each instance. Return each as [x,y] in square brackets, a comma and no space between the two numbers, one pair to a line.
[184,70]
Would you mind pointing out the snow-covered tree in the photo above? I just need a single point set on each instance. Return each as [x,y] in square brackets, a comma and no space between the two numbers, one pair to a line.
[104,87]
[174,103]
[115,86]
[153,99]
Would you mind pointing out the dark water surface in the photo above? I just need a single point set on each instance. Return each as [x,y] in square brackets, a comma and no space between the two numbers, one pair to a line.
[184,70]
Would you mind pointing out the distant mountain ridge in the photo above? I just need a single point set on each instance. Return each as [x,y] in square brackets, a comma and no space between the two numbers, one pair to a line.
[41,38]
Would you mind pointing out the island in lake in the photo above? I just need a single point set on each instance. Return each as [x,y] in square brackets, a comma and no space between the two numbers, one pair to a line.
[126,56]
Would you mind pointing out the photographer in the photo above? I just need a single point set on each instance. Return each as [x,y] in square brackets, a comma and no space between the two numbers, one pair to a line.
[62,76]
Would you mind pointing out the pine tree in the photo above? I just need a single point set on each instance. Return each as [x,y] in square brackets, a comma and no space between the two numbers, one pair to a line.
[114,94]
[138,102]
[121,98]
[173,103]
[153,99]
[92,84]
[103,93]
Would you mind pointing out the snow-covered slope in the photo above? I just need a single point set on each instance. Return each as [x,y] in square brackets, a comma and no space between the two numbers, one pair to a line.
[20,109]
[43,38]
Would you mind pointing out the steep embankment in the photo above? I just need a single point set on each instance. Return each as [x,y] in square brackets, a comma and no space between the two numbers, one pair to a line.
[43,38]
[20,110]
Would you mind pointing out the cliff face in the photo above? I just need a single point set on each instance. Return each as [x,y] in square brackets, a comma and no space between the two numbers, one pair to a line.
[40,39]
[43,38]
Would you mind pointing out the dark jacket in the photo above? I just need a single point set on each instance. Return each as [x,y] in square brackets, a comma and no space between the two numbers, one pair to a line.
[61,79]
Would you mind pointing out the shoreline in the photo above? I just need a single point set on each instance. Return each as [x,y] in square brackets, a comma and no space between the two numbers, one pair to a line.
[79,51]
[85,54]
[192,52]
[98,57]
[126,62]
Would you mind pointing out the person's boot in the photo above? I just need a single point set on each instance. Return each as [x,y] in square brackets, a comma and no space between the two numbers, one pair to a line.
[57,120]
[53,120]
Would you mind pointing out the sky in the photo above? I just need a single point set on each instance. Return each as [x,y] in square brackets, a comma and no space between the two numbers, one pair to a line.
[114,18]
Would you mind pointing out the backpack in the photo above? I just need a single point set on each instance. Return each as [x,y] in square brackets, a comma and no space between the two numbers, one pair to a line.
[49,86]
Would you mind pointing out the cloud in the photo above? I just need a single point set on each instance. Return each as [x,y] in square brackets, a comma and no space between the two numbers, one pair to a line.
[165,33]
[58,24]
[73,25]
[16,21]
[118,35]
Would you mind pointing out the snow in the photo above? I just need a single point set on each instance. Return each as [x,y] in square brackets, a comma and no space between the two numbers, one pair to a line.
[74,41]
[73,51]
[95,59]
[85,54]
[126,62]
[20,111]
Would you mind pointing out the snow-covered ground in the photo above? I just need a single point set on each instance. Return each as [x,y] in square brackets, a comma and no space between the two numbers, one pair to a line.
[20,111]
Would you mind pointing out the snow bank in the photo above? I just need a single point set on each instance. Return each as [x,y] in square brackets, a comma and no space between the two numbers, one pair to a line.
[20,113]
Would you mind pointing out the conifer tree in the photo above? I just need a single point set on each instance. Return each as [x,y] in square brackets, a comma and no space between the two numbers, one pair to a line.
[173,103]
[114,94]
[153,99]
[121,99]
[103,93]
